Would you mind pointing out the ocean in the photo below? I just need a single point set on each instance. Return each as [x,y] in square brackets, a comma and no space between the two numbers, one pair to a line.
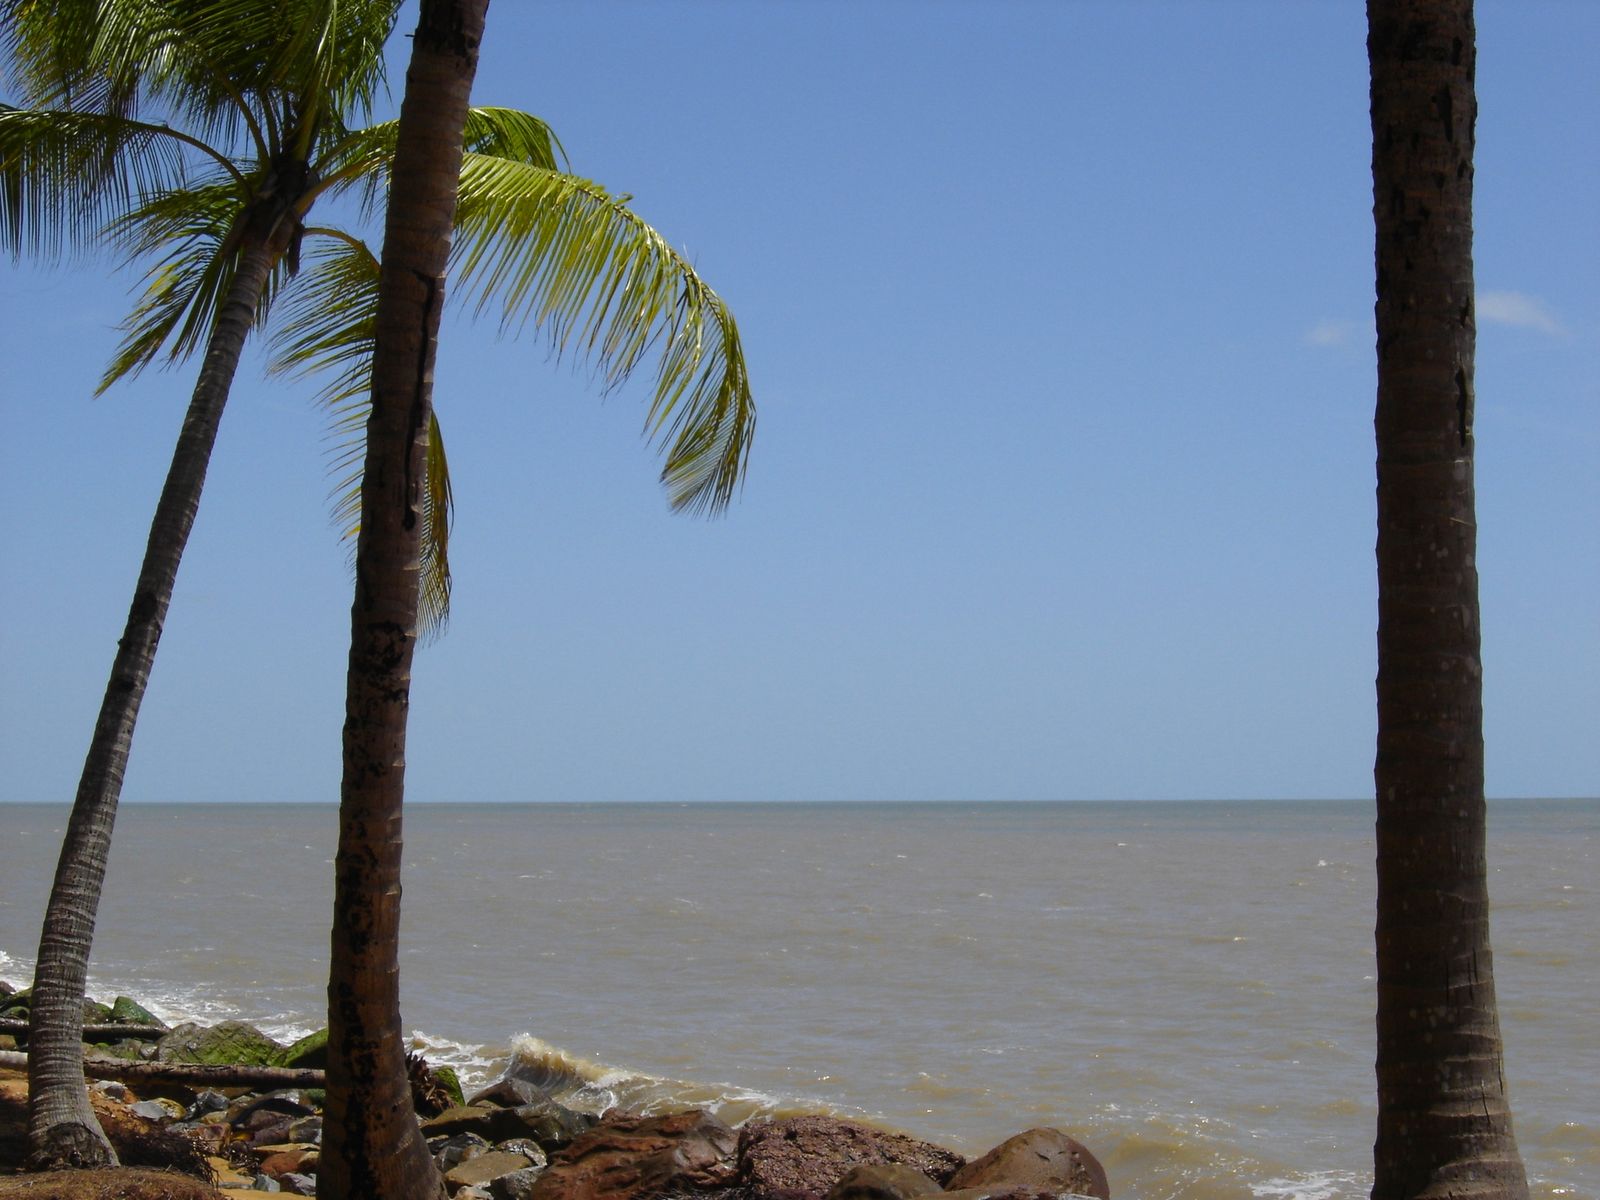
[1187,988]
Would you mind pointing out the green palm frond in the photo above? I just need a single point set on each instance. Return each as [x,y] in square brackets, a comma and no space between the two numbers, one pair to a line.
[361,157]
[324,328]
[188,235]
[64,175]
[560,253]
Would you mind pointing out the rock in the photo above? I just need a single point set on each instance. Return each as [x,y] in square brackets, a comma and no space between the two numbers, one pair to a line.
[481,1170]
[7,1042]
[95,1013]
[124,1011]
[509,1092]
[528,1147]
[310,1051]
[265,1183]
[255,1112]
[625,1158]
[451,1082]
[547,1123]
[208,1101]
[129,1048]
[113,1089]
[297,1184]
[801,1158]
[159,1109]
[451,1152]
[516,1186]
[278,1161]
[882,1181]
[1039,1160]
[231,1042]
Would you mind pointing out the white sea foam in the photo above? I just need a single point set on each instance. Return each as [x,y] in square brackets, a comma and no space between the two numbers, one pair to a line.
[1316,1185]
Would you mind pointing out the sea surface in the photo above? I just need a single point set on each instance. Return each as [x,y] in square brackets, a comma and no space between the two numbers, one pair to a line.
[1185,987]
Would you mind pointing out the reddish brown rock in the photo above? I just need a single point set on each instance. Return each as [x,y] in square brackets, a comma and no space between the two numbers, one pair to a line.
[629,1158]
[287,1160]
[803,1157]
[1039,1160]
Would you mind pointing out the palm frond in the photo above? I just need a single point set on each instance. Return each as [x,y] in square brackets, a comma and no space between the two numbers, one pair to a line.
[188,235]
[558,252]
[361,157]
[323,329]
[65,175]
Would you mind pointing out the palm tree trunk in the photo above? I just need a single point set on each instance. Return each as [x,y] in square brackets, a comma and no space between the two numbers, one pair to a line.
[372,1145]
[62,1129]
[1444,1124]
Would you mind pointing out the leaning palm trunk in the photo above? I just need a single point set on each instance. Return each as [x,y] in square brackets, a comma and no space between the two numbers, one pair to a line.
[1444,1125]
[62,1129]
[372,1145]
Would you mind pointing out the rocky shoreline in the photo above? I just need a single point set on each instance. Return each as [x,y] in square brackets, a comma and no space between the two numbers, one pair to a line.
[508,1141]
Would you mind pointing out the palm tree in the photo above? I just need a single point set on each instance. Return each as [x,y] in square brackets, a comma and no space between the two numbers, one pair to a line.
[558,250]
[1444,1125]
[265,90]
[372,1145]
[82,164]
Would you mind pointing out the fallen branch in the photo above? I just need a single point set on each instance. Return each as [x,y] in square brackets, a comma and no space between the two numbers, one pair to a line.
[97,1033]
[202,1074]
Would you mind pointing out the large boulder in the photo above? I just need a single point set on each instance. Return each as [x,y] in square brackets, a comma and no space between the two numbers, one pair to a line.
[629,1158]
[231,1042]
[801,1158]
[129,1012]
[309,1053]
[1039,1160]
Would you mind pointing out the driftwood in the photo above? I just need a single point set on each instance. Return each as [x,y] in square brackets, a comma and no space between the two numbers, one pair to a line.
[97,1033]
[201,1074]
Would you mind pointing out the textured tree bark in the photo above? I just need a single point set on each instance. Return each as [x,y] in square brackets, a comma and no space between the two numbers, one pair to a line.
[62,1130]
[1444,1124]
[372,1145]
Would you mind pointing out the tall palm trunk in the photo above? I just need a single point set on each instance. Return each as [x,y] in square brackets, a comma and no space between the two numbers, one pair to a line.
[372,1145]
[62,1129]
[1444,1125]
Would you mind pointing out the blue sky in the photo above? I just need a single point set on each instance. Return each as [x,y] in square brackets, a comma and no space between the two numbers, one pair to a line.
[1059,318]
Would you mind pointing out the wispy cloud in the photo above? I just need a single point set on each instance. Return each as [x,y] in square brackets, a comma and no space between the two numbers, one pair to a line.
[1517,309]
[1332,333]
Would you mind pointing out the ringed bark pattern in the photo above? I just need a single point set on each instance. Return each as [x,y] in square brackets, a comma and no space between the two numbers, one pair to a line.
[372,1145]
[1444,1124]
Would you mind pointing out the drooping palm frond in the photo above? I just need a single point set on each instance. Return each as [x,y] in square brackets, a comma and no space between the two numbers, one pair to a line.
[323,329]
[65,175]
[559,252]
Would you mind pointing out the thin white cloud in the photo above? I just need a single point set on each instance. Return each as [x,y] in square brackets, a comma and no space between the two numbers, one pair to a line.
[1519,310]
[1331,333]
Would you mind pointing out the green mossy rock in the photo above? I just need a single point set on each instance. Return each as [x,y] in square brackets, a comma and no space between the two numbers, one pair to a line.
[310,1051]
[230,1042]
[452,1083]
[129,1012]
[95,1013]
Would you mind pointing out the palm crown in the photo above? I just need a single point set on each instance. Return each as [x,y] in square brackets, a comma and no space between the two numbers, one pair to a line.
[261,108]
